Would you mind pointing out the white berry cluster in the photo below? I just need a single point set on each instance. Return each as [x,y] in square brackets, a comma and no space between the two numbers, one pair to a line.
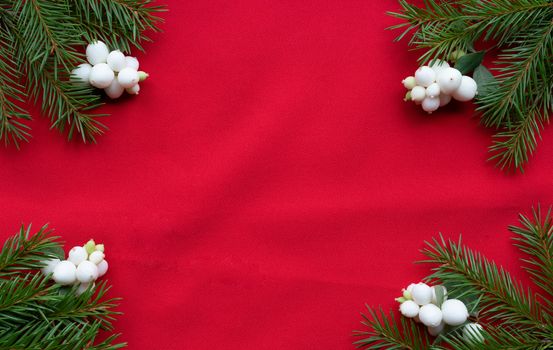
[112,71]
[433,86]
[83,266]
[420,302]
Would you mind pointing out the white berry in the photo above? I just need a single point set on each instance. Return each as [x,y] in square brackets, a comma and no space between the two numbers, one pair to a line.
[87,272]
[422,294]
[472,333]
[449,80]
[424,76]
[77,255]
[81,74]
[83,287]
[409,309]
[430,315]
[102,268]
[97,52]
[438,66]
[96,257]
[65,273]
[128,77]
[101,76]
[116,60]
[454,312]
[409,83]
[131,62]
[444,99]
[430,104]
[49,266]
[418,93]
[435,331]
[114,90]
[433,90]
[466,91]
[133,90]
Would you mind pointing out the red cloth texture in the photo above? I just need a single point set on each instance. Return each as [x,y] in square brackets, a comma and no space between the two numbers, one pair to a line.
[269,180]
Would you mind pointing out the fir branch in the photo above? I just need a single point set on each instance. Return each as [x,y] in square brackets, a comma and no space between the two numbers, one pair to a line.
[534,236]
[24,252]
[385,332]
[42,40]
[92,304]
[49,33]
[469,275]
[119,23]
[12,129]
[521,101]
[513,147]
[57,336]
[522,70]
[498,338]
[36,314]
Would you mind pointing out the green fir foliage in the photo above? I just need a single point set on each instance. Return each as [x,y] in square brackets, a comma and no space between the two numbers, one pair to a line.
[513,316]
[41,41]
[519,101]
[36,314]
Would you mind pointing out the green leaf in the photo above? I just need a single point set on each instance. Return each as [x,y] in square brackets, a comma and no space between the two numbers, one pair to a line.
[440,294]
[467,63]
[485,81]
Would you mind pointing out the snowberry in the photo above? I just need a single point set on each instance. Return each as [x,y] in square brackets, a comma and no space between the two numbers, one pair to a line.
[49,266]
[409,82]
[424,76]
[422,294]
[430,315]
[77,255]
[81,74]
[430,104]
[128,77]
[454,312]
[131,62]
[101,76]
[439,66]
[472,333]
[102,268]
[114,90]
[133,90]
[87,271]
[418,93]
[409,309]
[466,91]
[116,60]
[435,331]
[65,273]
[97,52]
[99,247]
[433,90]
[449,80]
[96,257]
[444,99]
[434,297]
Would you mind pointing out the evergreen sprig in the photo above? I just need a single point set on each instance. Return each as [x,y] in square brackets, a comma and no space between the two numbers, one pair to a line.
[521,100]
[41,41]
[513,316]
[37,314]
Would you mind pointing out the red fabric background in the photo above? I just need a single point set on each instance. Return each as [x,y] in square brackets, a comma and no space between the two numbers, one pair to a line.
[269,180]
